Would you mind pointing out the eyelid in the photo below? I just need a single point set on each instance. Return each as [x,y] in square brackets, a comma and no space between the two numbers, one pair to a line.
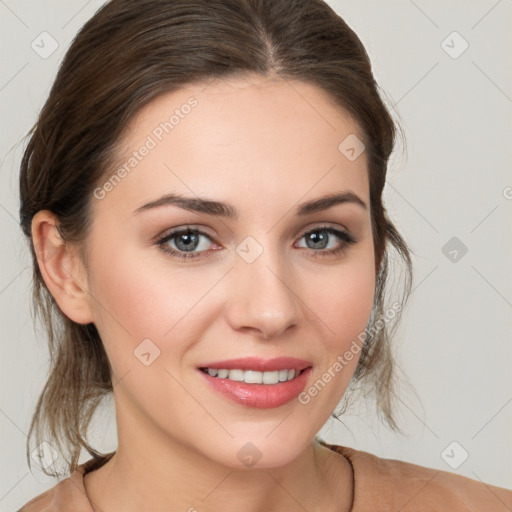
[204,230]
[343,234]
[185,227]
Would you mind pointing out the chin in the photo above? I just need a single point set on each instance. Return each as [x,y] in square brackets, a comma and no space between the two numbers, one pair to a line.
[258,451]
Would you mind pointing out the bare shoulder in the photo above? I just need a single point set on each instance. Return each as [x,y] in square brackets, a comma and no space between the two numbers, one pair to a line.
[42,503]
[68,494]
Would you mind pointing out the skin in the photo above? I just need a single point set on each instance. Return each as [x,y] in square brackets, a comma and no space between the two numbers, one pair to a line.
[263,146]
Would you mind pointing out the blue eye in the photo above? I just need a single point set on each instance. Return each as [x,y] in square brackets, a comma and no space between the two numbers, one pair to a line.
[187,240]
[319,240]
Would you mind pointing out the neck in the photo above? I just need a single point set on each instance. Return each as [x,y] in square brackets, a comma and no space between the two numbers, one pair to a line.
[156,472]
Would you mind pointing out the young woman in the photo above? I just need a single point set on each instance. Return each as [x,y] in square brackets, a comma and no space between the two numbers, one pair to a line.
[202,194]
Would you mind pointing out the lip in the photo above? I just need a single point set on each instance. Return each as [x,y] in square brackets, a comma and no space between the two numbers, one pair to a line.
[259,396]
[258,364]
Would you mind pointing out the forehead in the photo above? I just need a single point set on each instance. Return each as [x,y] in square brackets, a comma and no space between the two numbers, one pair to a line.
[240,137]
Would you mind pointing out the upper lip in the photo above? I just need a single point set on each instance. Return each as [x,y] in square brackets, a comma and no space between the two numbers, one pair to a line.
[258,364]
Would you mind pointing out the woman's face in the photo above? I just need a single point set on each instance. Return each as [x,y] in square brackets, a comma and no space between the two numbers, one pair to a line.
[265,283]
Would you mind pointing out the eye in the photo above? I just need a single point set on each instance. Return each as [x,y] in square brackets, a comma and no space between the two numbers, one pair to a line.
[188,240]
[319,242]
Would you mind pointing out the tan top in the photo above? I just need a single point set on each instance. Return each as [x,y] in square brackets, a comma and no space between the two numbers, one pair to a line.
[379,485]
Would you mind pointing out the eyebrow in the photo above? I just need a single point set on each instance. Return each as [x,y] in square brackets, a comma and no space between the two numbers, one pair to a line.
[220,209]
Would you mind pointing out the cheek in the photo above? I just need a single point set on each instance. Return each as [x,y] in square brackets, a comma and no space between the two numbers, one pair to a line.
[343,305]
[139,297]
[343,300]
[131,302]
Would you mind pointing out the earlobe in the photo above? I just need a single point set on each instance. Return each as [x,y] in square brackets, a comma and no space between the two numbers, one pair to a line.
[61,268]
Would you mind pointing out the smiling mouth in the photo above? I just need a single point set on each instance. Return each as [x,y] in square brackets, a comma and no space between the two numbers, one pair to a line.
[254,376]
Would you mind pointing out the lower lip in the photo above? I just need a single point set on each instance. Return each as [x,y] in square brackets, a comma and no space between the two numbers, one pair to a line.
[260,396]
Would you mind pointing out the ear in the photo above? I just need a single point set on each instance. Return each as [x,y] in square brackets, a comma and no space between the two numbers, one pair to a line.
[61,268]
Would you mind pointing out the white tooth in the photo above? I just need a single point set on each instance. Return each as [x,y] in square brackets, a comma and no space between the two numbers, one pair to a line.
[271,377]
[253,377]
[236,375]
[283,375]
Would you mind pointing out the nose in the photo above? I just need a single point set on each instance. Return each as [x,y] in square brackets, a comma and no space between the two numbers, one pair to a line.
[263,300]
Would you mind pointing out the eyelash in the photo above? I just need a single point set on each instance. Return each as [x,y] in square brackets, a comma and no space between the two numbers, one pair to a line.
[346,237]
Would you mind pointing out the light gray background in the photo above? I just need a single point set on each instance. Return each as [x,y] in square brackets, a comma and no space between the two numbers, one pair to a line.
[454,343]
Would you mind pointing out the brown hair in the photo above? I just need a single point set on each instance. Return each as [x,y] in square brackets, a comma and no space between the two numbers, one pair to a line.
[127,54]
